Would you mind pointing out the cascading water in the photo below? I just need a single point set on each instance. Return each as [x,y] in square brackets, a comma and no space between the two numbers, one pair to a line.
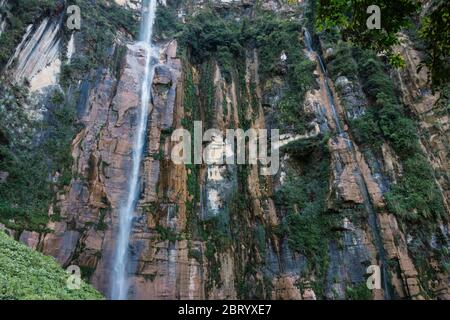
[119,282]
[326,85]
[373,222]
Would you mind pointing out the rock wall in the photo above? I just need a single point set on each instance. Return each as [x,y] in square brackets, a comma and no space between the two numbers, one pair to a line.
[177,250]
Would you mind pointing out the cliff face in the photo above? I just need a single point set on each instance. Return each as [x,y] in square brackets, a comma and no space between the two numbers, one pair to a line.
[224,231]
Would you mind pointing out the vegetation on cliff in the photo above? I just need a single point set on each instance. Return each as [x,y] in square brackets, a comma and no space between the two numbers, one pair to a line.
[25,12]
[308,226]
[34,152]
[433,19]
[414,197]
[36,156]
[211,36]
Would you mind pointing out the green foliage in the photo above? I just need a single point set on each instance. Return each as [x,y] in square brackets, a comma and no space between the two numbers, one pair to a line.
[366,129]
[195,254]
[216,234]
[209,35]
[38,159]
[359,292]
[387,117]
[101,224]
[416,196]
[166,24]
[101,21]
[167,234]
[342,62]
[351,17]
[434,31]
[271,35]
[26,274]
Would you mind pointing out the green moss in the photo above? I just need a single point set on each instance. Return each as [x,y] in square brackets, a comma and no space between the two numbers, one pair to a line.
[28,275]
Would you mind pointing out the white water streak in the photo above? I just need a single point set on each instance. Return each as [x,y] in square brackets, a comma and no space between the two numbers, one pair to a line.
[120,286]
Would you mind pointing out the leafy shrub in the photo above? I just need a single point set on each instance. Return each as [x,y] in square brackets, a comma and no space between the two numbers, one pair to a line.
[166,24]
[102,20]
[208,35]
[342,62]
[416,197]
[26,274]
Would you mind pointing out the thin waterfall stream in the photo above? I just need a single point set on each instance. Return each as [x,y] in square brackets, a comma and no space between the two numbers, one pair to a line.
[119,281]
[373,221]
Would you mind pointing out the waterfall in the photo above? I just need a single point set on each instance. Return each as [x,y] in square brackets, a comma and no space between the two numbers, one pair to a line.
[372,217]
[309,46]
[119,285]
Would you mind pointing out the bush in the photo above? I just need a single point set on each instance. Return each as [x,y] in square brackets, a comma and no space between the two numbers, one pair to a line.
[28,275]
[102,20]
[416,196]
[342,63]
[166,24]
[208,35]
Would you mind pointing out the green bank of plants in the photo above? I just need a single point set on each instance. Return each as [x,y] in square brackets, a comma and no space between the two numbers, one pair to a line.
[359,292]
[26,274]
[415,197]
